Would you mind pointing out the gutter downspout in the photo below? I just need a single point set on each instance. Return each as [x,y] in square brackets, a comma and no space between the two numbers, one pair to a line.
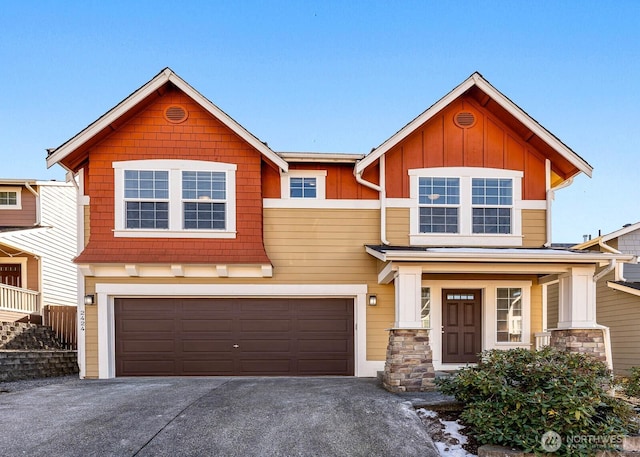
[381,189]
[550,197]
[38,211]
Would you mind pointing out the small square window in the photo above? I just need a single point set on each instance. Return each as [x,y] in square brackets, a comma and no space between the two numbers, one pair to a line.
[302,187]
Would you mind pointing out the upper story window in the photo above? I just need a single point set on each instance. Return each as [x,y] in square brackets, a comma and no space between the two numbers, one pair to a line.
[464,206]
[174,198]
[303,184]
[303,187]
[492,200]
[439,202]
[10,198]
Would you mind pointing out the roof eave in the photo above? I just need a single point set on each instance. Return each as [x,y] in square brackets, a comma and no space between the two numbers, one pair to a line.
[165,76]
[477,80]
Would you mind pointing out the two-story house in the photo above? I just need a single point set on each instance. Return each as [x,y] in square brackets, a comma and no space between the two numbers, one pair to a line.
[37,247]
[207,253]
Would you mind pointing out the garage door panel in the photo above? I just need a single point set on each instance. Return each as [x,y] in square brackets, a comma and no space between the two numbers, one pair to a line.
[207,325]
[324,325]
[148,346]
[221,346]
[197,336]
[322,366]
[148,325]
[207,367]
[269,346]
[265,325]
[263,308]
[324,346]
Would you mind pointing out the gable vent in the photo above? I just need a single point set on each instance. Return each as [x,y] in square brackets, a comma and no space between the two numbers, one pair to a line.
[176,114]
[464,119]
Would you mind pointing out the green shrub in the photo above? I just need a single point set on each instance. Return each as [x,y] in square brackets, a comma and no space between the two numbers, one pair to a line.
[631,386]
[513,397]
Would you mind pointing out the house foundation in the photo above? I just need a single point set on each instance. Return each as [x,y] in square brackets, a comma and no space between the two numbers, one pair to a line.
[586,341]
[409,366]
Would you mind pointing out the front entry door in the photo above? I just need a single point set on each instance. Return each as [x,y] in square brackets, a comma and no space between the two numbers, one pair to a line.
[461,325]
[10,274]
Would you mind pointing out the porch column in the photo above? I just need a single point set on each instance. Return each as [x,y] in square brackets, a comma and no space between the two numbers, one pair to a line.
[408,285]
[577,329]
[577,299]
[408,367]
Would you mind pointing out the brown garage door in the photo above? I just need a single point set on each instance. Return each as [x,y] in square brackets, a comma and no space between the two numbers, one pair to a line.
[205,337]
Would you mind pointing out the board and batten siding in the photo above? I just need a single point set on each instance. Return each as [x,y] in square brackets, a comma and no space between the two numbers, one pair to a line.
[534,227]
[620,312]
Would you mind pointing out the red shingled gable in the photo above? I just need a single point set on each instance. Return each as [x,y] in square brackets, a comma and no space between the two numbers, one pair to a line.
[148,135]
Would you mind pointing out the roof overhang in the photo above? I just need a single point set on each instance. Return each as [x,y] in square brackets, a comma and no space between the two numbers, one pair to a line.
[488,260]
[165,76]
[320,157]
[609,236]
[632,288]
[477,80]
[20,240]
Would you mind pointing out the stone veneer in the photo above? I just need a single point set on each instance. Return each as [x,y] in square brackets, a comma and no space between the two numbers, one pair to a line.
[409,366]
[586,341]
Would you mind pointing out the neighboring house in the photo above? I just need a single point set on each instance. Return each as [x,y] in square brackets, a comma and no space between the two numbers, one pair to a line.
[207,253]
[37,247]
[618,296]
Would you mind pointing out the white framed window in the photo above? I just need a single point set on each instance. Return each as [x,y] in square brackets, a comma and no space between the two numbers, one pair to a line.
[509,315]
[439,204]
[10,198]
[303,184]
[174,198]
[465,206]
[425,307]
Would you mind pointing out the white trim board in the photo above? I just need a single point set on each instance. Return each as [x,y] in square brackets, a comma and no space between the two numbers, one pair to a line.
[106,293]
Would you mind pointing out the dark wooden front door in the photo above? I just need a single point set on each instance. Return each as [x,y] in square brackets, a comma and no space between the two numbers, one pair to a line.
[235,336]
[10,274]
[461,325]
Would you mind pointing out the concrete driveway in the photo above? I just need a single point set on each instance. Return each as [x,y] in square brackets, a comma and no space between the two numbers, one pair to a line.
[211,417]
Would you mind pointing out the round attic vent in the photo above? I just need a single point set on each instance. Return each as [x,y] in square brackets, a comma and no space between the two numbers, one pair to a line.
[465,119]
[176,114]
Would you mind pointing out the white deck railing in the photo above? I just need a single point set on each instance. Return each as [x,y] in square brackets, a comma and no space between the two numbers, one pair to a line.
[19,300]
[542,339]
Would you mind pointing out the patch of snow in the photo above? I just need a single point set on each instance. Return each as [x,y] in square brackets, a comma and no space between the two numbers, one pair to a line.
[452,439]
[426,413]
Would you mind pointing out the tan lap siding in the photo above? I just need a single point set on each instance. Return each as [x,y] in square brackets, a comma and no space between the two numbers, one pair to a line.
[398,226]
[326,246]
[534,227]
[620,312]
[536,311]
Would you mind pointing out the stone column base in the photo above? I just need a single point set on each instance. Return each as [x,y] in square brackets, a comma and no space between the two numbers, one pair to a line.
[409,366]
[586,341]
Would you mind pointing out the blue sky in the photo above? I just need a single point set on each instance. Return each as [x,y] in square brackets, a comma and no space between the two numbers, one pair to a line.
[336,76]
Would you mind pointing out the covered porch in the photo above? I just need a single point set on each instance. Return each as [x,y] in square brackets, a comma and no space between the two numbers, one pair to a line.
[452,303]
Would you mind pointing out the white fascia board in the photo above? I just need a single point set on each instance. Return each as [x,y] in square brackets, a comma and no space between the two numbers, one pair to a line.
[532,125]
[622,288]
[516,257]
[228,121]
[621,232]
[162,78]
[414,124]
[320,157]
[477,80]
